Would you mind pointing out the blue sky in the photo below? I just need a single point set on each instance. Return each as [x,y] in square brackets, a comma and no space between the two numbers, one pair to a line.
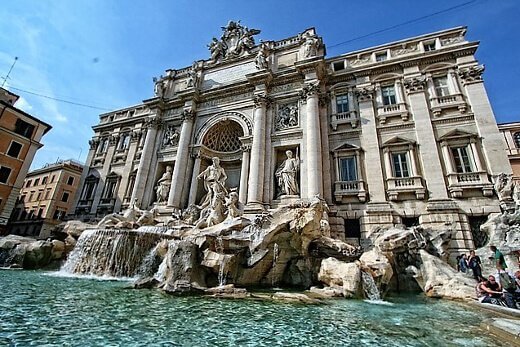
[104,53]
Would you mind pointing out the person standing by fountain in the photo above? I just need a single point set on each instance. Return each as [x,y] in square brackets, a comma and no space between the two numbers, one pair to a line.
[475,265]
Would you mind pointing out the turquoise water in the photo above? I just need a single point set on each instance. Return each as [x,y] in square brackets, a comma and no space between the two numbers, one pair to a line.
[38,309]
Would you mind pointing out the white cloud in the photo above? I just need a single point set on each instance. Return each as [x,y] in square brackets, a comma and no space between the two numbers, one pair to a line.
[24,105]
[60,118]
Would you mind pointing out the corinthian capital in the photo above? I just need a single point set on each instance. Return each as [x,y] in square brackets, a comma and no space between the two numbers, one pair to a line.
[261,100]
[472,74]
[310,89]
[365,93]
[187,115]
[415,84]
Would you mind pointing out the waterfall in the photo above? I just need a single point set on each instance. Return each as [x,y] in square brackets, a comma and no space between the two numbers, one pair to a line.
[222,274]
[276,252]
[369,286]
[111,252]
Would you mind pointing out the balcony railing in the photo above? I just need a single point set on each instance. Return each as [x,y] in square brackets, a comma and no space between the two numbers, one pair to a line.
[349,117]
[440,103]
[460,181]
[395,110]
[400,185]
[344,189]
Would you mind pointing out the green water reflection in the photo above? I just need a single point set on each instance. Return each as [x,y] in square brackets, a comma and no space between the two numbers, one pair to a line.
[38,309]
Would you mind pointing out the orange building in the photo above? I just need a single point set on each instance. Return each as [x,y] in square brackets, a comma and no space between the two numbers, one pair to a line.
[46,197]
[511,132]
[20,136]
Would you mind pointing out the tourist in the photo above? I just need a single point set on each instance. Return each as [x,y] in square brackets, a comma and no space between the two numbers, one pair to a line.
[490,291]
[475,265]
[463,263]
[508,285]
[498,257]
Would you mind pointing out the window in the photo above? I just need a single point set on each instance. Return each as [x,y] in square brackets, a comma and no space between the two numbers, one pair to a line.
[40,212]
[124,142]
[23,128]
[44,180]
[342,103]
[4,174]
[14,149]
[48,194]
[347,169]
[52,178]
[461,158]
[37,182]
[381,56]
[352,228]
[28,184]
[70,180]
[429,46]
[31,196]
[516,137]
[65,197]
[103,146]
[39,196]
[110,189]
[441,86]
[58,214]
[400,164]
[388,94]
[22,198]
[410,222]
[339,65]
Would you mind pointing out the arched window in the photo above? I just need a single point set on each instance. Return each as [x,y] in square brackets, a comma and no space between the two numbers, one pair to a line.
[516,136]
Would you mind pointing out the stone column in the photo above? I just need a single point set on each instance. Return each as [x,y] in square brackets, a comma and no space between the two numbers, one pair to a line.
[370,144]
[399,91]
[129,163]
[256,178]
[181,160]
[388,163]
[432,167]
[86,168]
[493,144]
[312,135]
[194,182]
[411,154]
[152,124]
[476,156]
[244,173]
[447,158]
[453,85]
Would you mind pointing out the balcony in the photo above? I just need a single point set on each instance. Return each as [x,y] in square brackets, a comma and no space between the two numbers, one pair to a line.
[399,186]
[459,184]
[349,190]
[349,117]
[455,101]
[395,110]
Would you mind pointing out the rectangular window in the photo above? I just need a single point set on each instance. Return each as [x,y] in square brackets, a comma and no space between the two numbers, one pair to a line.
[461,159]
[23,128]
[88,191]
[37,182]
[52,178]
[70,180]
[39,196]
[31,196]
[4,174]
[22,198]
[14,149]
[352,228]
[429,46]
[441,86]
[58,214]
[40,212]
[347,167]
[124,142]
[388,94]
[381,56]
[28,184]
[342,103]
[44,180]
[110,189]
[400,163]
[65,197]
[48,194]
[338,66]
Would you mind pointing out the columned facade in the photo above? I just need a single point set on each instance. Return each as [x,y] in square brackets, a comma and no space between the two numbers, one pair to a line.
[410,139]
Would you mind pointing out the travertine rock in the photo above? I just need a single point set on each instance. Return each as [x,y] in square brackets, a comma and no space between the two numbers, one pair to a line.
[379,266]
[341,275]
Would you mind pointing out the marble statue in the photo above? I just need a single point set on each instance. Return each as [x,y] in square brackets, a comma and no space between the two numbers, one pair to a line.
[163,186]
[236,41]
[261,58]
[193,76]
[504,186]
[160,86]
[126,219]
[235,207]
[214,181]
[217,50]
[310,45]
[286,174]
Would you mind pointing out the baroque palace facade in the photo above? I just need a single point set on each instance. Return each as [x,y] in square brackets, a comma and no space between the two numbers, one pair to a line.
[401,133]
